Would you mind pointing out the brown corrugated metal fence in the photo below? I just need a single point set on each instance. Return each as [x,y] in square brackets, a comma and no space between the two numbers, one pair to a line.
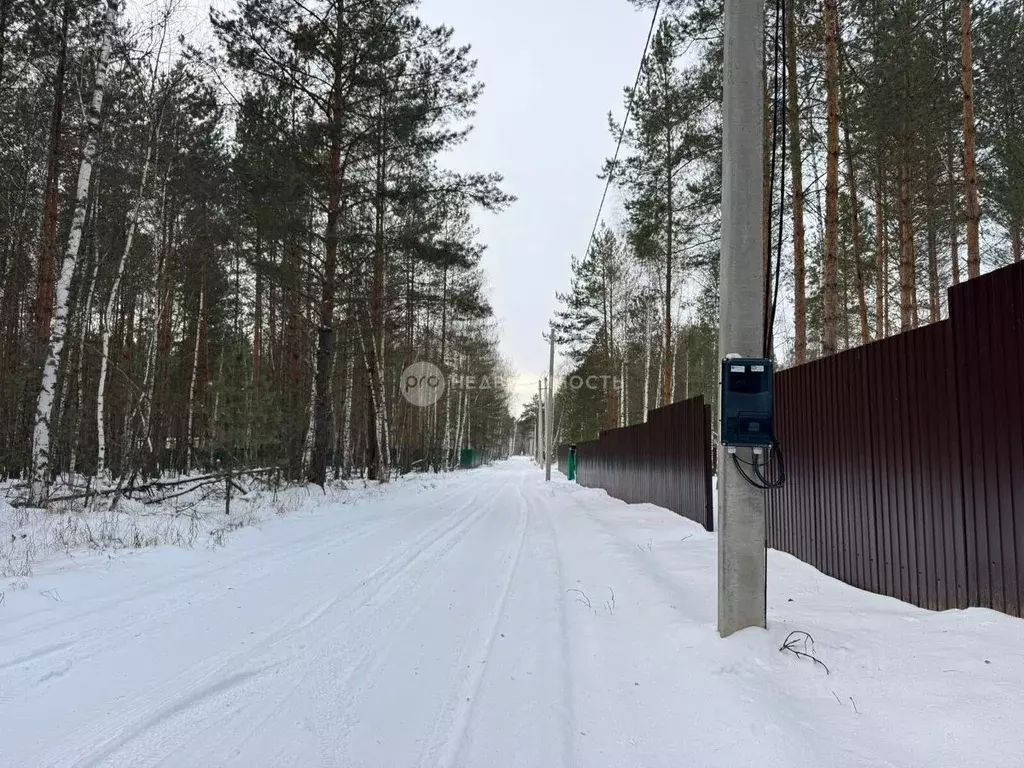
[905,458]
[872,455]
[988,339]
[665,461]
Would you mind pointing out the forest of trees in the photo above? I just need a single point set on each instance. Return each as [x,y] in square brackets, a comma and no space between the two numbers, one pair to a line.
[226,256]
[898,131]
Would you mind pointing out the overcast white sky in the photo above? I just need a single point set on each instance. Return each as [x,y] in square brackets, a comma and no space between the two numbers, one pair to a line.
[552,69]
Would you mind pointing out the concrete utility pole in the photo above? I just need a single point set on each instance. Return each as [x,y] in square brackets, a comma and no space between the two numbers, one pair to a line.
[549,424]
[741,516]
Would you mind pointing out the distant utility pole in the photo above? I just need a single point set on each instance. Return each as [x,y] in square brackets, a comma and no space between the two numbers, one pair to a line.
[549,423]
[741,517]
[540,424]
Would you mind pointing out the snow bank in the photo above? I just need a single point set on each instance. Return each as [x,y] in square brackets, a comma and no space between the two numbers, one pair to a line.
[882,683]
[32,538]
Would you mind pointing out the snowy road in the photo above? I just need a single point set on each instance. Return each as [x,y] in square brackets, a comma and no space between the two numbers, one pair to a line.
[486,619]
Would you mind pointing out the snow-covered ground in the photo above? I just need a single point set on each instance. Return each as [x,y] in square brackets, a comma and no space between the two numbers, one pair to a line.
[190,511]
[485,619]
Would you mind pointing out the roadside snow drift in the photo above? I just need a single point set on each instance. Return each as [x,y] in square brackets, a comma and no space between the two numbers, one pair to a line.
[486,619]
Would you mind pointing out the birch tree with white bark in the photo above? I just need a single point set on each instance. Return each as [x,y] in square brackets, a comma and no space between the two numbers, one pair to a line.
[59,324]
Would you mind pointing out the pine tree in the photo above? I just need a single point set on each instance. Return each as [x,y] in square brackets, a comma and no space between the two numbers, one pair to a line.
[1000,61]
[226,279]
[972,207]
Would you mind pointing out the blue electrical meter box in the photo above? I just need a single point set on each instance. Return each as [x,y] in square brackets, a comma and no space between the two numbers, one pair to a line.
[747,402]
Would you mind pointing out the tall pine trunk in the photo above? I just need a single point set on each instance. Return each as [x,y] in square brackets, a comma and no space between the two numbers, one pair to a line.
[830,287]
[59,324]
[675,368]
[346,423]
[460,422]
[908,293]
[310,433]
[623,394]
[321,411]
[661,379]
[436,444]
[881,283]
[108,314]
[934,300]
[446,443]
[666,384]
[972,208]
[887,299]
[954,209]
[796,166]
[647,361]
[376,320]
[855,230]
[158,394]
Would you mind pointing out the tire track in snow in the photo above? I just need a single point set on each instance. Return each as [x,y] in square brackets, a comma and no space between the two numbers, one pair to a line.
[356,679]
[255,717]
[198,598]
[268,703]
[565,647]
[37,654]
[209,691]
[309,544]
[100,744]
[466,702]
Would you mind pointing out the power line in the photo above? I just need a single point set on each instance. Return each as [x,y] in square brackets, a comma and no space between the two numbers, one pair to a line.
[779,64]
[622,132]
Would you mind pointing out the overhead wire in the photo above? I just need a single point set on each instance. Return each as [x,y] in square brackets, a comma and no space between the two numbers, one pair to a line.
[625,122]
[779,84]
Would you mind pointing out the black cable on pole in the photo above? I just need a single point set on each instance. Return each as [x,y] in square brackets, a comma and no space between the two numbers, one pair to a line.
[765,302]
[761,482]
[779,460]
[782,181]
[743,473]
[779,45]
[625,122]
